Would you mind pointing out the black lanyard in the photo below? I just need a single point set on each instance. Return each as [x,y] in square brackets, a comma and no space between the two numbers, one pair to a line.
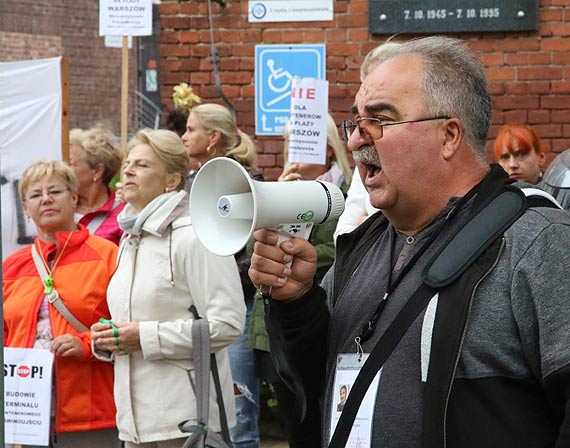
[368,329]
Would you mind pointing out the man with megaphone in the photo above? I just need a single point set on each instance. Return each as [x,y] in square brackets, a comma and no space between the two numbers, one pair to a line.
[445,315]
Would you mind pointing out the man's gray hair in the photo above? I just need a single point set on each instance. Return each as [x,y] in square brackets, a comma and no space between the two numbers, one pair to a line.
[454,83]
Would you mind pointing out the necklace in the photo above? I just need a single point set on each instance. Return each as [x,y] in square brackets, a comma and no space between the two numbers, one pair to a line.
[97,205]
[48,281]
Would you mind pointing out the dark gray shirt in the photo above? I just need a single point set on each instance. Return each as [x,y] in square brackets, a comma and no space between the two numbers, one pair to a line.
[516,326]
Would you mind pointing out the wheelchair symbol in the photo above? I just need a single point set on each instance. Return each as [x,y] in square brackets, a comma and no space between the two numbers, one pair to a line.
[283,84]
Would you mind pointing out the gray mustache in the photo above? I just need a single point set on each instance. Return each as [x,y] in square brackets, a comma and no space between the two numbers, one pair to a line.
[367,155]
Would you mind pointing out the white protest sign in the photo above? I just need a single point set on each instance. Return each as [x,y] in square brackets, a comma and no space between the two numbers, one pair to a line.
[125,17]
[290,10]
[117,42]
[27,395]
[308,121]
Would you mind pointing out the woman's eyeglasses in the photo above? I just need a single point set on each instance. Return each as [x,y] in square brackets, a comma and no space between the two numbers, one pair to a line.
[53,193]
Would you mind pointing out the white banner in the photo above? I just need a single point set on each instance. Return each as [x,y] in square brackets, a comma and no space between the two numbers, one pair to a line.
[30,130]
[125,17]
[290,10]
[27,390]
[308,122]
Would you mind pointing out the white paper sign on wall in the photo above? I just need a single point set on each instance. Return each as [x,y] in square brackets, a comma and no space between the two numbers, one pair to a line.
[125,17]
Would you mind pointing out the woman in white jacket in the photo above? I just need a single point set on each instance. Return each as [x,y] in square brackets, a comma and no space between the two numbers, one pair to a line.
[162,271]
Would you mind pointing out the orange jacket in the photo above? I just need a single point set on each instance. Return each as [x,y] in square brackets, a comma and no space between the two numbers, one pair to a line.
[84,385]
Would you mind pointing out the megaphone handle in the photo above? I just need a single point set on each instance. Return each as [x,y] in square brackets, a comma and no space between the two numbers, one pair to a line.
[288,231]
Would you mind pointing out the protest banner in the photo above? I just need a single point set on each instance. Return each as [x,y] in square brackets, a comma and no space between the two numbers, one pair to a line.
[308,122]
[27,395]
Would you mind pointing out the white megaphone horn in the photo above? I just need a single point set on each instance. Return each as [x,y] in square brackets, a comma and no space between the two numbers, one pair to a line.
[226,206]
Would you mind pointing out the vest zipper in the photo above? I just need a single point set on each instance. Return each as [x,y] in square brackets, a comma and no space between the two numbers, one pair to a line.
[463,339]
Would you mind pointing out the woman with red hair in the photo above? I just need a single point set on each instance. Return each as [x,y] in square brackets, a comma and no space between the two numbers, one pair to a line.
[520,152]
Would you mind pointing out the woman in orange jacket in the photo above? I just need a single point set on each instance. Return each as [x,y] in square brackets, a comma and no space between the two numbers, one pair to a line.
[78,267]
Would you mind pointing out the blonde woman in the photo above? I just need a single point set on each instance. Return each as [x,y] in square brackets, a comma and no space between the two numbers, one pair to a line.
[212,131]
[64,261]
[162,272]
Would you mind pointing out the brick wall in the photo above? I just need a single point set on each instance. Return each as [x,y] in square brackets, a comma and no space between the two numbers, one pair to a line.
[31,29]
[529,72]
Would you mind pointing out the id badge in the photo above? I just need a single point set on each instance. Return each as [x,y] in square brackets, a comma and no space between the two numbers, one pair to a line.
[348,366]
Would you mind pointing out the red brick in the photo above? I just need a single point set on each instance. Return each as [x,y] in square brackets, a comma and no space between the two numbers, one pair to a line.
[549,130]
[507,102]
[353,21]
[516,116]
[539,116]
[340,49]
[500,74]
[165,8]
[272,37]
[313,36]
[174,22]
[189,37]
[516,45]
[358,35]
[358,6]
[560,145]
[189,64]
[170,37]
[336,35]
[555,102]
[555,44]
[190,8]
[492,59]
[554,15]
[539,73]
[527,87]
[559,116]
[561,87]
[497,88]
[528,58]
[236,78]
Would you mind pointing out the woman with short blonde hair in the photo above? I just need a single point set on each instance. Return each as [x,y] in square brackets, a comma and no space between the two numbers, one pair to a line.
[65,265]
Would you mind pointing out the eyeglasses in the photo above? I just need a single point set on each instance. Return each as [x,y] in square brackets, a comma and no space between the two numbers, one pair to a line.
[54,193]
[371,127]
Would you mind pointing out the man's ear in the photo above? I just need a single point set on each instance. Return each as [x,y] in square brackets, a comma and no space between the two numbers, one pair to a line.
[452,137]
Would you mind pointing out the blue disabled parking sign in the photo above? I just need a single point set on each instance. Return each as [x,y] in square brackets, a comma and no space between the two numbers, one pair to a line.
[275,68]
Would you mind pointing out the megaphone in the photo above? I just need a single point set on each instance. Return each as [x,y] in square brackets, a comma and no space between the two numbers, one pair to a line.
[226,205]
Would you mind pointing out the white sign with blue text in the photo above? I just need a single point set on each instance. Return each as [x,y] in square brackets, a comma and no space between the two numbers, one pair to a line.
[275,68]
[290,10]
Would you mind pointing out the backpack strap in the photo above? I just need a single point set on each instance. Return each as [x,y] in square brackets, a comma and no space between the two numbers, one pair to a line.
[540,198]
[204,362]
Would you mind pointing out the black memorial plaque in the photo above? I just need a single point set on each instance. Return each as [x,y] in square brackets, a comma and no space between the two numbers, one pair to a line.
[444,16]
